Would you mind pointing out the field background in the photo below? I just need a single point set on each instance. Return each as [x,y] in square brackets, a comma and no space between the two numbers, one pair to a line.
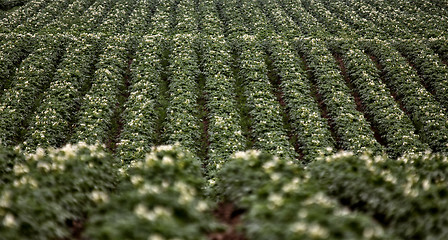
[344,101]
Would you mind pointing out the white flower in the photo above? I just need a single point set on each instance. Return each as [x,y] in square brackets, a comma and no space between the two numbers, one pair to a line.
[167,160]
[156,237]
[98,196]
[9,220]
[20,168]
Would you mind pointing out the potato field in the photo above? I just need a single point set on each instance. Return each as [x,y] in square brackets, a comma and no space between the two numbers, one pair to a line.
[224,119]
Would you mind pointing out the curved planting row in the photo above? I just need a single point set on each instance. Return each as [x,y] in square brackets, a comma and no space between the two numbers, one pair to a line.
[429,66]
[428,116]
[307,23]
[67,16]
[333,24]
[32,78]
[92,17]
[281,203]
[313,131]
[379,19]
[407,195]
[393,124]
[43,17]
[14,50]
[280,20]
[117,19]
[408,15]
[360,25]
[52,122]
[99,103]
[350,125]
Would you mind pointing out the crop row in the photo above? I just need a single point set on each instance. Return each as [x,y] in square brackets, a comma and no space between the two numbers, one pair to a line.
[224,129]
[311,128]
[159,197]
[28,84]
[407,195]
[350,125]
[428,115]
[280,203]
[15,18]
[51,124]
[430,68]
[267,128]
[393,124]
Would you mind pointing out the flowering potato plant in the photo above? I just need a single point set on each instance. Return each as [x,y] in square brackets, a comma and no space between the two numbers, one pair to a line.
[160,198]
[407,195]
[52,187]
[281,203]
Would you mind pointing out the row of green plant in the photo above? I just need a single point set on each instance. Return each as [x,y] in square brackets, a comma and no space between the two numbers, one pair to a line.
[52,122]
[183,123]
[267,128]
[46,15]
[13,19]
[432,71]
[281,202]
[139,115]
[159,197]
[408,195]
[29,82]
[350,125]
[42,194]
[428,116]
[94,119]
[305,116]
[392,123]
[410,15]
[224,129]
[15,48]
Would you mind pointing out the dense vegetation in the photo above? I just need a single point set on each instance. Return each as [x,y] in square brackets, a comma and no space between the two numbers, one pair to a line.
[223,119]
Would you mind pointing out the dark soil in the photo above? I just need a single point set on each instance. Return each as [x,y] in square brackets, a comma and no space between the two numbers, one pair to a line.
[276,81]
[76,228]
[230,215]
[359,105]
[322,106]
[384,80]
[117,119]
